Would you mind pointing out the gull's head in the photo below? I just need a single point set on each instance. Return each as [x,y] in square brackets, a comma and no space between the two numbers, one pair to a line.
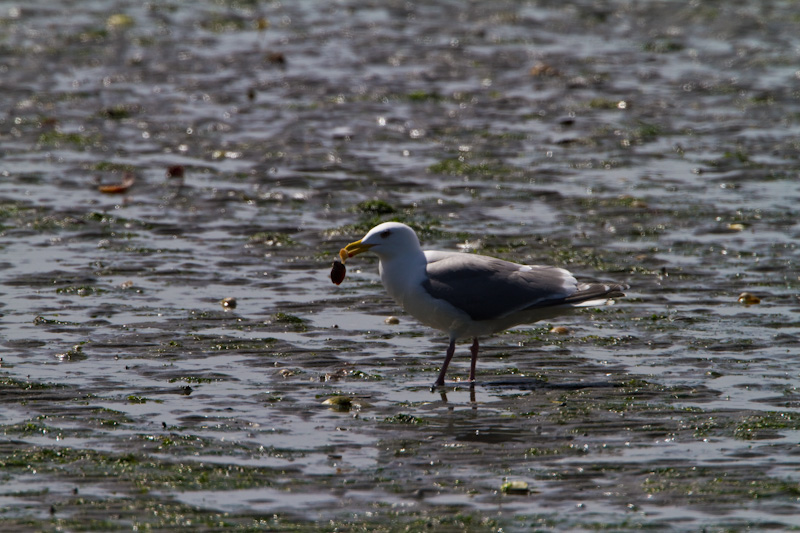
[388,240]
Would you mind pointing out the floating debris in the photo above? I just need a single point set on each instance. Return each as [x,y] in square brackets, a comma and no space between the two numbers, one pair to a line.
[560,330]
[391,320]
[228,303]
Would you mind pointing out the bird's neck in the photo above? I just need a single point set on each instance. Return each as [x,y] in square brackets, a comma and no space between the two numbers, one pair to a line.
[400,272]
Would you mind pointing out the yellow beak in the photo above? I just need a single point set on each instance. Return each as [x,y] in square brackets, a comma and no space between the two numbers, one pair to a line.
[354,248]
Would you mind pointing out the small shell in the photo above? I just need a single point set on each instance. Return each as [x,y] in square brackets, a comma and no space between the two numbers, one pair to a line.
[128,179]
[276,58]
[515,487]
[342,403]
[543,69]
[391,320]
[747,298]
[338,271]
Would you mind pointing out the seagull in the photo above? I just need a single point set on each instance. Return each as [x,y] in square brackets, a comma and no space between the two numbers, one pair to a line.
[470,295]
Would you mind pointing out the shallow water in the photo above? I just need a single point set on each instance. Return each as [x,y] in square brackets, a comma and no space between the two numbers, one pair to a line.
[648,143]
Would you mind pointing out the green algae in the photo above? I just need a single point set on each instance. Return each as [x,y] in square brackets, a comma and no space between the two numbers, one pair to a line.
[404,418]
[375,207]
[765,425]
[139,472]
[57,139]
[462,166]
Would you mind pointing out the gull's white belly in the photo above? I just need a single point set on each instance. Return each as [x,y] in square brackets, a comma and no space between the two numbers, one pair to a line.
[407,291]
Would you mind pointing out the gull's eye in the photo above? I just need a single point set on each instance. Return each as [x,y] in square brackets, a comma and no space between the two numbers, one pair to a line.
[385,233]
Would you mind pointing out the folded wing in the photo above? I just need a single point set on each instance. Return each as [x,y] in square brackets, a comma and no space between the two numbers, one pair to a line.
[465,280]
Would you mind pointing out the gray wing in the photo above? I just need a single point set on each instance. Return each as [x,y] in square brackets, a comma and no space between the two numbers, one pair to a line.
[487,288]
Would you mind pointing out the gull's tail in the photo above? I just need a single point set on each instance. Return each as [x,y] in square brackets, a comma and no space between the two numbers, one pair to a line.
[587,295]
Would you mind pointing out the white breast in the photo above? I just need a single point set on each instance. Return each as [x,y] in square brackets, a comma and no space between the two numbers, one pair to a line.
[403,279]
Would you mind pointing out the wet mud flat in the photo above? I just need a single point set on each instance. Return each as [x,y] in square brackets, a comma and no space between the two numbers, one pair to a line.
[156,159]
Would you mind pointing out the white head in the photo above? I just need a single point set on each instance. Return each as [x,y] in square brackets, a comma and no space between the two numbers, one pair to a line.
[387,240]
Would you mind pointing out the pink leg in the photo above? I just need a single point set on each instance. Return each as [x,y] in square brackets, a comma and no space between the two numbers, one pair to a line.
[474,351]
[450,351]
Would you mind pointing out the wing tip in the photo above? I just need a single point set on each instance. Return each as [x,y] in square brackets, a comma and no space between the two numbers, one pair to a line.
[591,294]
